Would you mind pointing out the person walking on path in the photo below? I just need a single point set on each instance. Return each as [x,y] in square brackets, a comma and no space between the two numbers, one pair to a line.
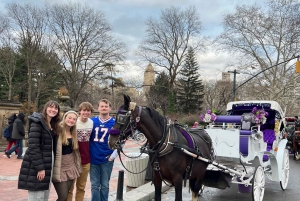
[18,133]
[84,128]
[102,157]
[67,164]
[11,119]
[36,169]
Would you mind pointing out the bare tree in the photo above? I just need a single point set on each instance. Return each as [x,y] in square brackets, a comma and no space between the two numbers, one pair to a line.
[8,61]
[216,95]
[169,37]
[29,28]
[7,54]
[4,23]
[85,43]
[261,38]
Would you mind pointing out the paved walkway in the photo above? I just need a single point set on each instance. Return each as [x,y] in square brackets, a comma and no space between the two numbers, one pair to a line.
[9,171]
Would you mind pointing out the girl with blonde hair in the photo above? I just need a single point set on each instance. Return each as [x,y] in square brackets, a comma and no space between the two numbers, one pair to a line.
[67,165]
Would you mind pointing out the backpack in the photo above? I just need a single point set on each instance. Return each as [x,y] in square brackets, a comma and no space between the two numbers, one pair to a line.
[7,131]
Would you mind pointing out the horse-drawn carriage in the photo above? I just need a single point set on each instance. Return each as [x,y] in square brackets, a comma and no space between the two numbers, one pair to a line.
[253,151]
[233,150]
[293,135]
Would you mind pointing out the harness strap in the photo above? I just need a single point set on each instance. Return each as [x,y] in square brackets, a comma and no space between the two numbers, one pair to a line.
[188,170]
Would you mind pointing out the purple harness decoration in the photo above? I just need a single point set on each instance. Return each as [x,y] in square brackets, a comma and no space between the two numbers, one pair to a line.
[188,138]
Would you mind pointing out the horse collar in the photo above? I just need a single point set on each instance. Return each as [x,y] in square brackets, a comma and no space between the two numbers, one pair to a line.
[137,119]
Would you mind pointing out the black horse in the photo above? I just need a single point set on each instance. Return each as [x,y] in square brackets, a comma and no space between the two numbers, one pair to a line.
[166,140]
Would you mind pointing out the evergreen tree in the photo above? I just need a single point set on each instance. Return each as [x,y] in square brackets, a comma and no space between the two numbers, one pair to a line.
[189,89]
[158,95]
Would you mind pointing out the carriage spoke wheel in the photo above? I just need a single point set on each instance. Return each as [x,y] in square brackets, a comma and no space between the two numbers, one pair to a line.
[285,170]
[258,184]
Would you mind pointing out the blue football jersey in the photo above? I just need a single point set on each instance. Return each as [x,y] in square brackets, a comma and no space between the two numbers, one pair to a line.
[99,149]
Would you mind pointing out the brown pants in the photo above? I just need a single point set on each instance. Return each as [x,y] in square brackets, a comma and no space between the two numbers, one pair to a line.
[80,184]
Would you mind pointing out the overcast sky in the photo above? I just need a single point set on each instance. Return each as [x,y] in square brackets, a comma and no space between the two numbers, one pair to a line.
[127,18]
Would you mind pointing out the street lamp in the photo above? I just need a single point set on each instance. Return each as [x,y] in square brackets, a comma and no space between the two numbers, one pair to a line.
[234,83]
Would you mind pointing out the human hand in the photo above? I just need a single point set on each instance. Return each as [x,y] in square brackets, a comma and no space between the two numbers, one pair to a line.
[41,175]
[110,159]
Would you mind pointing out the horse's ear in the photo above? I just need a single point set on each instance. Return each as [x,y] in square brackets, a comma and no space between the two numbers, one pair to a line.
[126,101]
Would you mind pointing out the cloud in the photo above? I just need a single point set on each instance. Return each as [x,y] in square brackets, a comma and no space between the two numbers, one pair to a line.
[127,18]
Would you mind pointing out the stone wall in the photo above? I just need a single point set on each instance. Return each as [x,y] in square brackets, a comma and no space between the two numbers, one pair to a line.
[6,109]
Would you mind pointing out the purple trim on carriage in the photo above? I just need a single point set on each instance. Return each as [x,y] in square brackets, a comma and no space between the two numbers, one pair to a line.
[245,132]
[269,137]
[188,138]
[229,119]
[244,145]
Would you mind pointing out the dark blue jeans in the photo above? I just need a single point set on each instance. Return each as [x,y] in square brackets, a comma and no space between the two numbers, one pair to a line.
[18,144]
[100,176]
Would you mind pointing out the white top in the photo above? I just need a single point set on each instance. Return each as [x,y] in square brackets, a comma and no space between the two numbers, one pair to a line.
[274,105]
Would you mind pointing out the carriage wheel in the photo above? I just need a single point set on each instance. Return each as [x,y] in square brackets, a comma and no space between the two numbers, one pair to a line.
[285,170]
[258,184]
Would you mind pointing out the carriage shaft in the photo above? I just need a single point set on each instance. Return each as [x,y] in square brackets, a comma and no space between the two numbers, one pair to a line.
[211,162]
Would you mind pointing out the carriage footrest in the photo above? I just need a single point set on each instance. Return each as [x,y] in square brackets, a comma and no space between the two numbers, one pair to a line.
[216,179]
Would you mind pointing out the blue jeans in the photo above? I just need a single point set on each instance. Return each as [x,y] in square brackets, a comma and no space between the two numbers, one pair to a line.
[18,144]
[100,176]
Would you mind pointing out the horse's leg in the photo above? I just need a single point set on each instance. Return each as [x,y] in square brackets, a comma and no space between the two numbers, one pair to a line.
[157,185]
[195,186]
[178,187]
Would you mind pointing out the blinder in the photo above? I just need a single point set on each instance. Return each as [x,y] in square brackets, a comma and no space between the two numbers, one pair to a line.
[123,119]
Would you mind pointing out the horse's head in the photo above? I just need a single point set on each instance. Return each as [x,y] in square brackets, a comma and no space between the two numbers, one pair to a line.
[123,127]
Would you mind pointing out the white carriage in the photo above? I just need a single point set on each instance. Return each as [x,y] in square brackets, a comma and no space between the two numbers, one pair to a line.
[246,153]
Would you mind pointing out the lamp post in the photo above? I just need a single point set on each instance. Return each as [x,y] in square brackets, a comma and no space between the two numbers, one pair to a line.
[234,83]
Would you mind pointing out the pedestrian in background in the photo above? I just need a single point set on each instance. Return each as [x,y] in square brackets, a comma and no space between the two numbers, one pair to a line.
[18,133]
[102,157]
[11,119]
[67,165]
[36,169]
[84,128]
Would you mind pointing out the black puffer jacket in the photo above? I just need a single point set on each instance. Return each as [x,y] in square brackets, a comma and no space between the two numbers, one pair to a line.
[38,156]
[18,131]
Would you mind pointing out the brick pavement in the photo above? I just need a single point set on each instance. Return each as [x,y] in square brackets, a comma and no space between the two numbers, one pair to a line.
[9,171]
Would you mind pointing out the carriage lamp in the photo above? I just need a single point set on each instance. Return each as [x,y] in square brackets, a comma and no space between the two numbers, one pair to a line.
[297,66]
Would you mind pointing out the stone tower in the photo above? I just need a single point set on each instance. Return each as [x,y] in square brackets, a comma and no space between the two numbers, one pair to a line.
[148,78]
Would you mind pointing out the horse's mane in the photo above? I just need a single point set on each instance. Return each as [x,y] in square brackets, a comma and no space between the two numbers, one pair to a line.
[157,118]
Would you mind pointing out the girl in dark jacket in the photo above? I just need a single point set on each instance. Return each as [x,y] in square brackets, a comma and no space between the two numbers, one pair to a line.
[36,169]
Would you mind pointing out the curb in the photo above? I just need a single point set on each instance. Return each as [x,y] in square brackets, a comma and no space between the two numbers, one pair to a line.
[142,193]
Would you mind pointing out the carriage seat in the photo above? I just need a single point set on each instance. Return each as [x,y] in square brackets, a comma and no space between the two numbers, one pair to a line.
[269,137]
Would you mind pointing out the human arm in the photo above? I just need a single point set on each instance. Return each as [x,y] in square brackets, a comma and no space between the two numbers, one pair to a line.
[113,155]
[35,145]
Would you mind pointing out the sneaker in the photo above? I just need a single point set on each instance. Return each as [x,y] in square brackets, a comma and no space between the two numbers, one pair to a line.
[7,155]
[21,157]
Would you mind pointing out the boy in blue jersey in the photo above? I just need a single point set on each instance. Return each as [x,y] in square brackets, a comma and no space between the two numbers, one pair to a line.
[102,157]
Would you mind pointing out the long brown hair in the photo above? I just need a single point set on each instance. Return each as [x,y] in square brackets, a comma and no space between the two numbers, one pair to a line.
[56,119]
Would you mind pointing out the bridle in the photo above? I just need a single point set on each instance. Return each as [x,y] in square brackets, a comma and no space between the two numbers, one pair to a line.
[127,126]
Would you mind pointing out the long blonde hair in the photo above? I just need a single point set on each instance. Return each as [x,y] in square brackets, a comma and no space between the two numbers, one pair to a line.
[63,136]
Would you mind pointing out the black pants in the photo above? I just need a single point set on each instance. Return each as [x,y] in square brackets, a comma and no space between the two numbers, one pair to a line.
[62,189]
